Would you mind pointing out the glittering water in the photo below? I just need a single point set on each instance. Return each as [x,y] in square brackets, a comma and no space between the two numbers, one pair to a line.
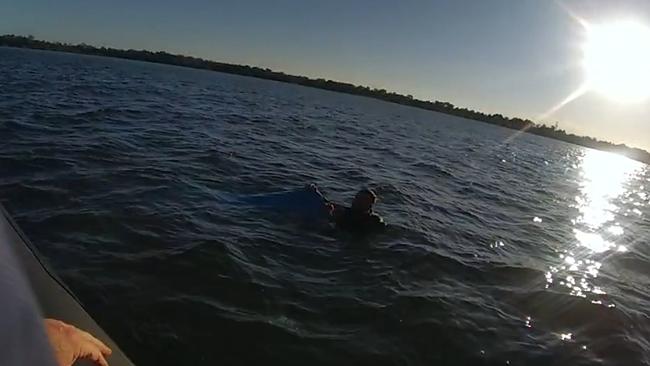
[502,249]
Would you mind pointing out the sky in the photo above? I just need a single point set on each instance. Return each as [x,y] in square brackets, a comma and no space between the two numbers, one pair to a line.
[519,58]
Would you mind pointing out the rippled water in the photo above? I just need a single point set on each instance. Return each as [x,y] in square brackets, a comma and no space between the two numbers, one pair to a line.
[502,248]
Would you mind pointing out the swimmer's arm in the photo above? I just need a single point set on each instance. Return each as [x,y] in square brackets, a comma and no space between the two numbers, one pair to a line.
[380,224]
[335,211]
[330,207]
[314,188]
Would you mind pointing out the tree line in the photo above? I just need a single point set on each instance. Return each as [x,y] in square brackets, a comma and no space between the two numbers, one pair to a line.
[525,125]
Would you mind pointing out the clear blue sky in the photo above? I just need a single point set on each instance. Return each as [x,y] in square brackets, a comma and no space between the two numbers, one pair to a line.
[516,57]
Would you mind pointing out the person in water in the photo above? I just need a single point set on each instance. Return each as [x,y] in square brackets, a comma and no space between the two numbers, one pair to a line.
[359,217]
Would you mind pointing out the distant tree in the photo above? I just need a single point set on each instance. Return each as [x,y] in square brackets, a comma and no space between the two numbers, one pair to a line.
[529,126]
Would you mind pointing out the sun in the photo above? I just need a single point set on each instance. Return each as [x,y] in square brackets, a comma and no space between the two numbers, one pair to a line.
[617,60]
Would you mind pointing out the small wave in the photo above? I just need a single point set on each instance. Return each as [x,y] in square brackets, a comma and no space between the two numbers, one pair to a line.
[433,168]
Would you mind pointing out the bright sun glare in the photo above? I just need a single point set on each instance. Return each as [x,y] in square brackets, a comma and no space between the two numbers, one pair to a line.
[617,60]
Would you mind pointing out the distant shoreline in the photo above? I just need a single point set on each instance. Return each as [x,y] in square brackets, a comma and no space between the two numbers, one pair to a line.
[524,125]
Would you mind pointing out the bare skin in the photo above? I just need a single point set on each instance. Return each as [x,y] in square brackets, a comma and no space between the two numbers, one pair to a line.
[70,344]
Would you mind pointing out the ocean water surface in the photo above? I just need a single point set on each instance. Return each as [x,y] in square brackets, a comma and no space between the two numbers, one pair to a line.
[502,248]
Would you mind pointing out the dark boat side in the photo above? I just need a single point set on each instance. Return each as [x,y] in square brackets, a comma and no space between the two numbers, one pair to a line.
[54,298]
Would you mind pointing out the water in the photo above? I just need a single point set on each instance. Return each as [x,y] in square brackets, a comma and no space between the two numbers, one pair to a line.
[502,248]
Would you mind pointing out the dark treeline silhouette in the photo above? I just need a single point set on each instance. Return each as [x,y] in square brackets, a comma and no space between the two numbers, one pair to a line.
[437,106]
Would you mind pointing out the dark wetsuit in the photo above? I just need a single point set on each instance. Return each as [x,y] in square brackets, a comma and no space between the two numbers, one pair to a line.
[357,222]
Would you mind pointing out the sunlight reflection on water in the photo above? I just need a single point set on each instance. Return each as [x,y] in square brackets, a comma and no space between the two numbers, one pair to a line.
[603,180]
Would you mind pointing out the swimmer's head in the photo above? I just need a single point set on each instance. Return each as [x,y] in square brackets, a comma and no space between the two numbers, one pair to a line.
[364,200]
